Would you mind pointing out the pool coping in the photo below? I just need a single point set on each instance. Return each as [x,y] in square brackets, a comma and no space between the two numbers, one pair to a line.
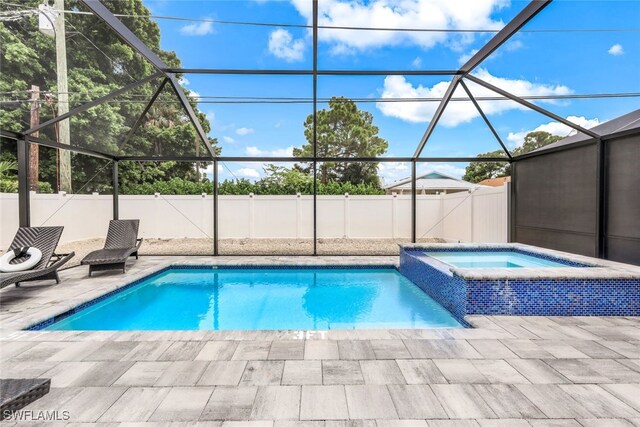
[595,268]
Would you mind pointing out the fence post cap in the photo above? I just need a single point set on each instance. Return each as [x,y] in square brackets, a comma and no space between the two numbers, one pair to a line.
[62,193]
[346,194]
[250,194]
[95,193]
[204,195]
[156,194]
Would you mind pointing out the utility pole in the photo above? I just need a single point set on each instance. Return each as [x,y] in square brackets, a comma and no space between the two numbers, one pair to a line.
[33,151]
[63,97]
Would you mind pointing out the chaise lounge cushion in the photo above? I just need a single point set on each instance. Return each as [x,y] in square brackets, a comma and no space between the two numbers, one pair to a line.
[106,256]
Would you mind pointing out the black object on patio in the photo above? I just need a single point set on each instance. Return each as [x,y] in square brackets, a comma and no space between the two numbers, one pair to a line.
[46,240]
[122,242]
[15,394]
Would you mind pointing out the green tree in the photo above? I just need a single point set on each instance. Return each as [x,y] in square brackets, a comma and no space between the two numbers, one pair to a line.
[98,63]
[343,130]
[479,171]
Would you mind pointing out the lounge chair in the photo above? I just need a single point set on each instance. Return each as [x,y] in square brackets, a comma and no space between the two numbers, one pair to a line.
[45,239]
[122,242]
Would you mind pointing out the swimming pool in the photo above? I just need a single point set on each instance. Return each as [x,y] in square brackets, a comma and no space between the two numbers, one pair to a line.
[263,299]
[493,259]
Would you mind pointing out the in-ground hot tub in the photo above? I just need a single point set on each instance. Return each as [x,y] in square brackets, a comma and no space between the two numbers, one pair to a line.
[517,279]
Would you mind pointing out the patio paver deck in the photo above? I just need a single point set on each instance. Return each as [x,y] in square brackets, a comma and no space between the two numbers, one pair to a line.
[506,371]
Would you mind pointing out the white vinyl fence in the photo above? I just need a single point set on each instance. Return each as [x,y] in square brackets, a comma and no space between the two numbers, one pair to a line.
[477,217]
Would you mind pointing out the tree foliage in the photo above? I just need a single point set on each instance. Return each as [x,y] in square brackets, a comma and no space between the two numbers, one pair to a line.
[479,171]
[98,63]
[344,130]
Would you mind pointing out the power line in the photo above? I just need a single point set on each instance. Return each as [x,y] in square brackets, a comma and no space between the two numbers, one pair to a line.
[210,99]
[342,27]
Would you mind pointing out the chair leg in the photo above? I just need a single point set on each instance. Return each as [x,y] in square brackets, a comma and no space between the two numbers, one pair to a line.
[17,284]
[57,278]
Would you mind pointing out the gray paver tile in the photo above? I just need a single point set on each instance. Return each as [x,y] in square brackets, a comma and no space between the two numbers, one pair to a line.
[628,393]
[416,402]
[182,373]
[577,371]
[182,350]
[355,350]
[252,350]
[286,350]
[537,372]
[223,372]
[510,422]
[352,423]
[263,423]
[258,372]
[421,372]
[182,404]
[527,349]
[300,372]
[321,349]
[499,371]
[452,423]
[441,349]
[64,374]
[369,402]
[462,401]
[320,402]
[389,349]
[492,349]
[277,403]
[217,350]
[507,401]
[136,404]
[381,372]
[599,402]
[554,423]
[111,350]
[142,374]
[91,402]
[147,351]
[460,371]
[230,403]
[605,422]
[103,374]
[553,401]
[401,423]
[341,372]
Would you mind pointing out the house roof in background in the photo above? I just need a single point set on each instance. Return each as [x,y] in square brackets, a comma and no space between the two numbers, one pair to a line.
[495,182]
[432,180]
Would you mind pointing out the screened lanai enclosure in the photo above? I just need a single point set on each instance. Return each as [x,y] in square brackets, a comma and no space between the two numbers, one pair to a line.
[291,149]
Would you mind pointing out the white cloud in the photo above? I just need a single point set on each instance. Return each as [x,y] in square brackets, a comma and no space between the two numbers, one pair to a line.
[278,152]
[197,29]
[445,14]
[228,139]
[457,112]
[282,45]
[616,50]
[184,81]
[247,173]
[416,63]
[467,56]
[244,131]
[554,128]
[392,171]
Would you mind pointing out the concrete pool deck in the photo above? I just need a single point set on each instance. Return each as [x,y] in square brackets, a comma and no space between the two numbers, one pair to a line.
[506,371]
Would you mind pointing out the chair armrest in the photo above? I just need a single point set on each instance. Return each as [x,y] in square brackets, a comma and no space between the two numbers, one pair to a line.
[60,260]
[139,242]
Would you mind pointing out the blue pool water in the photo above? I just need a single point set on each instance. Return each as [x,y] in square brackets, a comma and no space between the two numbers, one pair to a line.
[255,299]
[493,259]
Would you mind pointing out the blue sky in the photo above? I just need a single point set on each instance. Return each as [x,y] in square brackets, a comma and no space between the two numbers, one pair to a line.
[532,63]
